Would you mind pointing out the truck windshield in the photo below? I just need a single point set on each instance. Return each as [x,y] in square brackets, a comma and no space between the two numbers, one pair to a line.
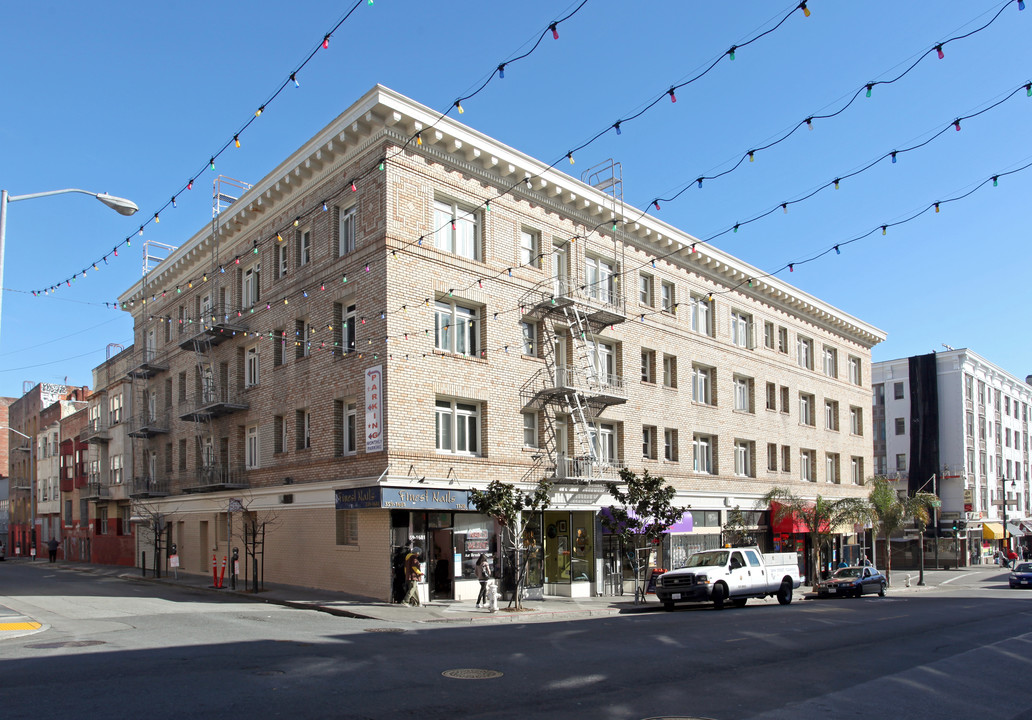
[707,559]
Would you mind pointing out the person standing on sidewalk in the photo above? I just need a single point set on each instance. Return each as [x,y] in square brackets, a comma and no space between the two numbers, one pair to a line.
[52,545]
[483,573]
[413,574]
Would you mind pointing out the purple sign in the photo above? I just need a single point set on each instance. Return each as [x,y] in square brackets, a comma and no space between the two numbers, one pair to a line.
[681,526]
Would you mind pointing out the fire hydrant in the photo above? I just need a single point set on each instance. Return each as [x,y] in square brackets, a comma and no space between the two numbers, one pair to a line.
[492,595]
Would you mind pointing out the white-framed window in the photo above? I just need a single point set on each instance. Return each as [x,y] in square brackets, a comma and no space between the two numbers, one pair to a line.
[599,279]
[456,229]
[457,329]
[530,248]
[303,432]
[702,455]
[603,439]
[743,458]
[670,444]
[743,394]
[806,409]
[804,352]
[667,296]
[831,468]
[648,442]
[350,321]
[901,461]
[830,362]
[251,366]
[855,371]
[856,470]
[251,454]
[772,457]
[786,458]
[784,400]
[458,427]
[529,331]
[856,420]
[116,470]
[648,365]
[350,444]
[115,408]
[701,314]
[901,426]
[530,429]
[282,259]
[702,384]
[302,338]
[346,225]
[768,334]
[304,247]
[772,396]
[603,358]
[741,329]
[783,340]
[251,285]
[646,294]
[807,472]
[897,391]
[831,421]
[670,371]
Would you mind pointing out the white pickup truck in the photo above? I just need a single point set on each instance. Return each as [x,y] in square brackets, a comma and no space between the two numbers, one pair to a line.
[731,574]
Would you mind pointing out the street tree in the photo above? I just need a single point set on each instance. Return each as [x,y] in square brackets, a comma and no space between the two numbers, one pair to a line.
[734,531]
[820,516]
[892,510]
[643,511]
[508,505]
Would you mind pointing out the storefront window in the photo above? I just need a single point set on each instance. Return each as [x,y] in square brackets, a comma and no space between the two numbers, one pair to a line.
[474,534]
[677,547]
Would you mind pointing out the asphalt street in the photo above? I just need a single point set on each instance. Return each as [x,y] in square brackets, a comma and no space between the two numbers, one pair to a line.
[121,647]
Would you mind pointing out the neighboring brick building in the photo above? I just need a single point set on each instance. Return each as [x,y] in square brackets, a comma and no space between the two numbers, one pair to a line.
[75,511]
[383,323]
[5,485]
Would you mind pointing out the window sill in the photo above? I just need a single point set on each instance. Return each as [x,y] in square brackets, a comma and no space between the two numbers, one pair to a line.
[460,356]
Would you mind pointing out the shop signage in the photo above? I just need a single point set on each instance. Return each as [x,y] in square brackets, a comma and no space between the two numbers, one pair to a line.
[374,409]
[401,498]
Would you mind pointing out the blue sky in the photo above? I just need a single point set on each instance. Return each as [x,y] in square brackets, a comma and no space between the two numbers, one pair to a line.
[132,98]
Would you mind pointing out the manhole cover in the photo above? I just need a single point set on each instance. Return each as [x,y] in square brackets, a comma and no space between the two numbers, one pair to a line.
[383,630]
[66,643]
[471,674]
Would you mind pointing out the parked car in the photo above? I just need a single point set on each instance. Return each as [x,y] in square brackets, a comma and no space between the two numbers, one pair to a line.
[732,575]
[852,581]
[1021,575]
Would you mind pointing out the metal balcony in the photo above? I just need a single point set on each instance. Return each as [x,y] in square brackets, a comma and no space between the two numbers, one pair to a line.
[584,470]
[149,487]
[212,478]
[600,305]
[97,430]
[597,390]
[149,363]
[148,425]
[21,483]
[96,490]
[211,404]
[216,326]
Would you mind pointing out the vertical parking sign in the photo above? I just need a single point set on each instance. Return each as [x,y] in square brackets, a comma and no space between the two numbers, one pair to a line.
[374,409]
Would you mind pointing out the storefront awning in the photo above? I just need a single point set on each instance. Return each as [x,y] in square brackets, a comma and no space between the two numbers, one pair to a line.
[992,531]
[1015,529]
[789,523]
[685,524]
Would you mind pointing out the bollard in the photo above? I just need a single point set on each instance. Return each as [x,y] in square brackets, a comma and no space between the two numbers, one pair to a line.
[143,562]
[214,571]
[223,575]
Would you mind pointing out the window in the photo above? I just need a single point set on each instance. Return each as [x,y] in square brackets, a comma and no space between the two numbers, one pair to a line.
[897,391]
[806,465]
[901,426]
[530,429]
[598,276]
[701,309]
[901,461]
[456,229]
[648,442]
[783,340]
[772,396]
[879,394]
[457,329]
[670,371]
[856,420]
[648,365]
[855,374]
[530,242]
[830,362]
[831,468]
[603,359]
[702,446]
[804,352]
[529,331]
[304,247]
[182,387]
[645,292]
[831,421]
[303,430]
[102,520]
[856,470]
[115,409]
[251,286]
[457,427]
[784,400]
[743,458]
[350,321]
[251,366]
[350,438]
[786,458]
[741,329]
[768,335]
[251,447]
[182,456]
[116,470]
[347,527]
[743,394]
[279,434]
[603,440]
[772,457]
[670,444]
[346,225]
[702,385]
[667,296]
[969,387]
[282,260]
[302,339]
[806,409]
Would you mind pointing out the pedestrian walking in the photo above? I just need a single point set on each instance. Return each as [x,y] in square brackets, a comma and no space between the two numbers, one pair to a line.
[413,574]
[52,545]
[483,573]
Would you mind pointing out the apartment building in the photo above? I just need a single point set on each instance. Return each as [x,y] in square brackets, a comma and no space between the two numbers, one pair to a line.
[405,309]
[955,424]
[49,474]
[75,508]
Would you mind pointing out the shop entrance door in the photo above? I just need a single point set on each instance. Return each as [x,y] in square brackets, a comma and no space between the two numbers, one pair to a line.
[441,565]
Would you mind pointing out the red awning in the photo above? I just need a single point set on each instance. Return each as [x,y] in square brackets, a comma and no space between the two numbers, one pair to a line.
[787,524]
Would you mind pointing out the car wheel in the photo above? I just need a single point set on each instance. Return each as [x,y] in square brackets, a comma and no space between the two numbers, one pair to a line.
[668,606]
[881,590]
[739,602]
[719,595]
[785,593]
[860,591]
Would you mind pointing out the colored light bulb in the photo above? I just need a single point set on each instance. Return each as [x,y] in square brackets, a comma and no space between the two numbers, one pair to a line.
[555,31]
[809,123]
[806,10]
[870,86]
[938,49]
[731,52]
[617,126]
[353,188]
[956,124]
[996,180]
[189,185]
[419,138]
[459,106]
[893,156]
[936,207]
[884,229]
[501,71]
[791,267]
[569,155]
[259,111]
[673,98]
[752,155]
[837,251]
[236,140]
[293,76]
[836,183]
[211,163]
[326,42]
[656,203]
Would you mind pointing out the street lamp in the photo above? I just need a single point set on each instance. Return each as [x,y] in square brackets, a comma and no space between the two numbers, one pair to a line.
[119,205]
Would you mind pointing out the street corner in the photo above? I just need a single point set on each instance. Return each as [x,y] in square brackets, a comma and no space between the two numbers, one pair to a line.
[13,624]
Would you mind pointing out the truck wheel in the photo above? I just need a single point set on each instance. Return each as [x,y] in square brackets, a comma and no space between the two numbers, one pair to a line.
[881,590]
[719,595]
[785,593]
[739,602]
[668,606]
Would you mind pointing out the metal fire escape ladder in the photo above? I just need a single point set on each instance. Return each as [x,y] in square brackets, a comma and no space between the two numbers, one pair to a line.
[585,372]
